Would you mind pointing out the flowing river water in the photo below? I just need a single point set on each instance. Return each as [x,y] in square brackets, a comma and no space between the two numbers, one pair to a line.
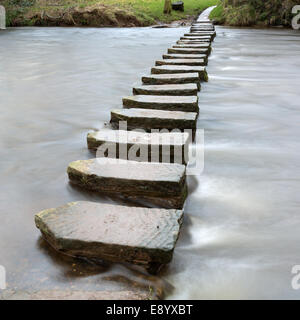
[241,233]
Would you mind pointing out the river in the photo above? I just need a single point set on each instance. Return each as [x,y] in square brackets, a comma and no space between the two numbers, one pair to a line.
[241,234]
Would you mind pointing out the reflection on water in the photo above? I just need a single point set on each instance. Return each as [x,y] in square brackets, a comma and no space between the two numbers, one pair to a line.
[241,231]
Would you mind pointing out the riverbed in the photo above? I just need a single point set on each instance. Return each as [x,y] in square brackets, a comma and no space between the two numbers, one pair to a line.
[240,237]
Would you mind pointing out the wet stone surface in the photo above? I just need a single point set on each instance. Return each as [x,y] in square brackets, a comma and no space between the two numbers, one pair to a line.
[187,89]
[141,146]
[141,236]
[162,184]
[154,119]
[181,62]
[169,78]
[181,69]
[171,103]
[189,50]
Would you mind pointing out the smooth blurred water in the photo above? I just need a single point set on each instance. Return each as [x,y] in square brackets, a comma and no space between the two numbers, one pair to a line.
[241,234]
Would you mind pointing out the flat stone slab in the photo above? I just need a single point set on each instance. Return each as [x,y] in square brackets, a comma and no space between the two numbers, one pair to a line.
[189,50]
[179,78]
[154,119]
[199,38]
[193,41]
[181,62]
[171,103]
[162,184]
[181,69]
[191,45]
[204,21]
[185,56]
[202,29]
[67,294]
[186,89]
[170,147]
[193,38]
[200,33]
[91,230]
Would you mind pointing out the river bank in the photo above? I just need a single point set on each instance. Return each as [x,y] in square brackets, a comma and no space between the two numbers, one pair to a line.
[99,13]
[241,13]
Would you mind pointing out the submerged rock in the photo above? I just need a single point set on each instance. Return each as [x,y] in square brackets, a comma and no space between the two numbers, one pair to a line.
[114,233]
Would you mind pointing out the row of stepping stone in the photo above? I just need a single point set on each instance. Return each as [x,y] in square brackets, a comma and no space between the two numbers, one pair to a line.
[146,236]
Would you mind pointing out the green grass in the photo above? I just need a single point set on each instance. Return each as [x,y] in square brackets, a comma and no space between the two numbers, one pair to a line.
[154,8]
[217,13]
[147,11]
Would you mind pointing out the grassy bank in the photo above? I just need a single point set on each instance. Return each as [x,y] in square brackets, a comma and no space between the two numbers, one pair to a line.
[254,12]
[97,12]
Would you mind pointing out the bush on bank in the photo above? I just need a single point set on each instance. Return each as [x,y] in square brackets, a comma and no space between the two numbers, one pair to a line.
[254,12]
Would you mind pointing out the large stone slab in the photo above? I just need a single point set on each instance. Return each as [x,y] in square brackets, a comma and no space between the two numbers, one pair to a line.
[193,38]
[186,89]
[189,50]
[193,41]
[154,119]
[99,231]
[171,103]
[203,21]
[202,28]
[200,33]
[179,78]
[205,38]
[161,184]
[191,45]
[181,69]
[185,56]
[181,62]
[68,294]
[170,147]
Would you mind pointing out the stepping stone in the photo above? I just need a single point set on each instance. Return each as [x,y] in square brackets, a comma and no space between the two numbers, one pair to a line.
[200,34]
[191,45]
[181,69]
[180,62]
[193,38]
[193,41]
[179,78]
[67,294]
[171,103]
[187,89]
[203,21]
[202,38]
[99,231]
[185,56]
[170,147]
[149,119]
[202,29]
[159,184]
[189,50]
